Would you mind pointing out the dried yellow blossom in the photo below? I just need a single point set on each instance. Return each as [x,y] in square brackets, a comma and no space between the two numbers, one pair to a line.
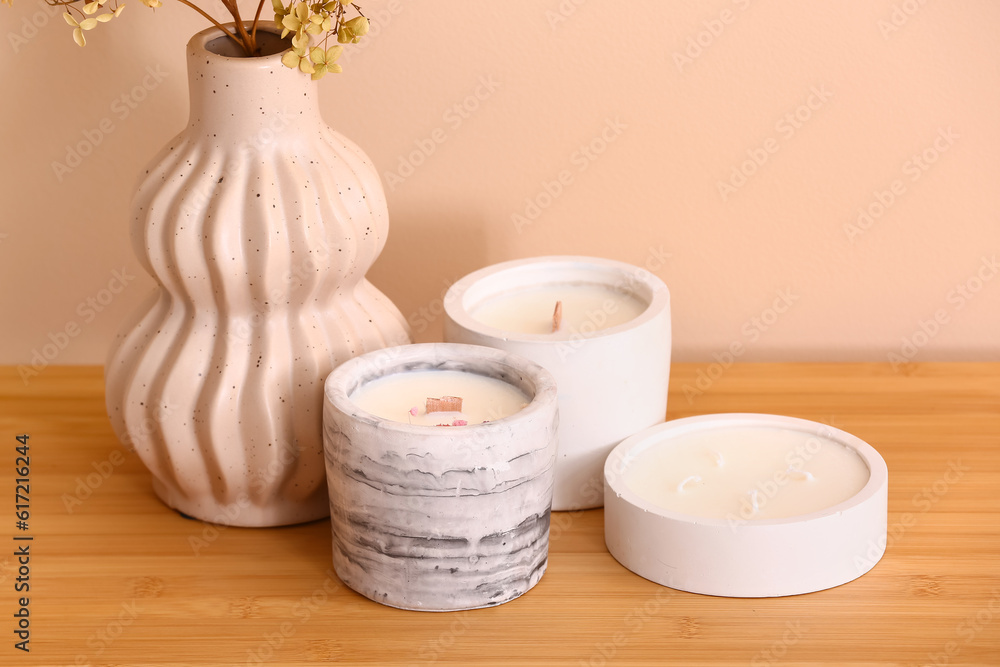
[295,20]
[322,19]
[325,61]
[79,27]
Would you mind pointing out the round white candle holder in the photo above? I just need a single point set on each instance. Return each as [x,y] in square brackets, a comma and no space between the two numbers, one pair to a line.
[612,382]
[438,518]
[738,557]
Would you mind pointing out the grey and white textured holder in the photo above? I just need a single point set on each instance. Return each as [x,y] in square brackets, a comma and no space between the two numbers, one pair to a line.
[440,519]
[612,382]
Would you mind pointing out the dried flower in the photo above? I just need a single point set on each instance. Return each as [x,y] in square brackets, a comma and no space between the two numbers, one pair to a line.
[320,20]
[316,19]
[80,27]
[325,61]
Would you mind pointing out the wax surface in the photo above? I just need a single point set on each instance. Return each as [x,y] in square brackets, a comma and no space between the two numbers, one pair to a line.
[746,473]
[586,308]
[483,398]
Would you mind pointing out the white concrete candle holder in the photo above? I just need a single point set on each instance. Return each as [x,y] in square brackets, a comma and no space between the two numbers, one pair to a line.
[433,518]
[707,550]
[612,381]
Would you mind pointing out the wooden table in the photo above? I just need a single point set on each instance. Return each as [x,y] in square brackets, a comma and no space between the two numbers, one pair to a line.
[117,578]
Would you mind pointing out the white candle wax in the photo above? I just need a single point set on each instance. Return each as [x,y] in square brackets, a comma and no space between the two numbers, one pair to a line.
[679,505]
[440,519]
[610,357]
[747,473]
[402,397]
[586,308]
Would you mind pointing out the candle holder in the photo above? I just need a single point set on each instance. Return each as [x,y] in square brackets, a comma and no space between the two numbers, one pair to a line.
[439,518]
[737,555]
[612,379]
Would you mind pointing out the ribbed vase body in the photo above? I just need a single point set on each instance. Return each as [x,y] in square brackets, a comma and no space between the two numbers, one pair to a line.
[258,223]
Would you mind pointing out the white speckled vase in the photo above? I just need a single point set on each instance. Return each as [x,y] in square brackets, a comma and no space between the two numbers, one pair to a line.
[440,519]
[258,222]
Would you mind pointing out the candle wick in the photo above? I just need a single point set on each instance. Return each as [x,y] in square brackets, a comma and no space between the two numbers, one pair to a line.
[719,460]
[753,501]
[694,479]
[444,404]
[800,474]
[557,317]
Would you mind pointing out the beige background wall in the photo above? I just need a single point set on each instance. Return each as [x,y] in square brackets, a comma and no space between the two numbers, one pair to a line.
[727,145]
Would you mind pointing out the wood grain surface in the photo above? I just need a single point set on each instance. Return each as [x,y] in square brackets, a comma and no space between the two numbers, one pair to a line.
[117,578]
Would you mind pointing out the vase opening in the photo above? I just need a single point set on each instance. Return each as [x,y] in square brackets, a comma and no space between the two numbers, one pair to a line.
[268,43]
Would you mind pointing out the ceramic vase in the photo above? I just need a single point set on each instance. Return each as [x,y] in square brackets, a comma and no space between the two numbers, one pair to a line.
[258,223]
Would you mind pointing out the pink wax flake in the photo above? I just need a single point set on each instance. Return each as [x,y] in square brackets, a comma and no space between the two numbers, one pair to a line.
[460,422]
[414,411]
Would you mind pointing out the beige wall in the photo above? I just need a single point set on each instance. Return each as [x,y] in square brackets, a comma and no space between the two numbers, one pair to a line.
[843,104]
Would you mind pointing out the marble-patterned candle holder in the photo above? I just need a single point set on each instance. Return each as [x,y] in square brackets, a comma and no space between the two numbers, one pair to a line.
[439,519]
[612,381]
